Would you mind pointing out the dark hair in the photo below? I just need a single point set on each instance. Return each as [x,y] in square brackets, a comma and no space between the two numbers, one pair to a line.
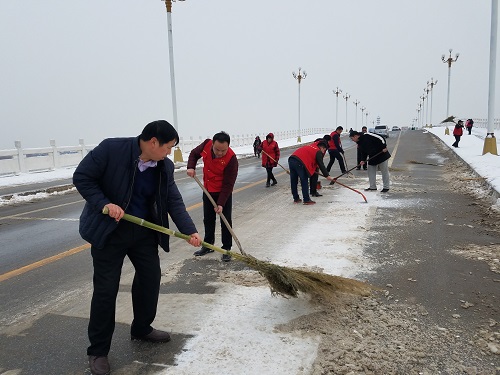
[161,130]
[222,137]
[323,143]
[327,137]
[339,128]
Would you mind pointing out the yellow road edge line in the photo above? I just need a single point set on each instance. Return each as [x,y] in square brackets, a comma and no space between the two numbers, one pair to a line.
[42,262]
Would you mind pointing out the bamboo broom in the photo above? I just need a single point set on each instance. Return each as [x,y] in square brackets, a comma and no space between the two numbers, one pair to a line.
[283,281]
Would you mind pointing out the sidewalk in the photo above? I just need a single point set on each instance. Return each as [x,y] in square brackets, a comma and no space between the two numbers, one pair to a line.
[470,151]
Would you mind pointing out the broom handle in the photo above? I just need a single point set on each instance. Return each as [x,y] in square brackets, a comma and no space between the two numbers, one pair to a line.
[170,232]
[270,157]
[377,154]
[220,214]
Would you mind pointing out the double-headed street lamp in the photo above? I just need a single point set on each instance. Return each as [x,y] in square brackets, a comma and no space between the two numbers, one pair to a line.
[431,84]
[356,102]
[426,91]
[346,97]
[168,5]
[450,60]
[299,77]
[337,91]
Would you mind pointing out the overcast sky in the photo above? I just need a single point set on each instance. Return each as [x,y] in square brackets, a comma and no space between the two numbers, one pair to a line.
[96,69]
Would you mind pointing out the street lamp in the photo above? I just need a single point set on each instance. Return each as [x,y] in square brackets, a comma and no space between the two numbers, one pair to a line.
[356,102]
[366,120]
[432,84]
[337,91]
[346,97]
[426,90]
[299,78]
[168,5]
[449,61]
[422,107]
[362,113]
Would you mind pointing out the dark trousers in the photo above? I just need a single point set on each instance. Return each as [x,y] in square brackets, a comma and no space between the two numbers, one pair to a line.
[209,220]
[361,157]
[457,140]
[313,183]
[336,154]
[141,246]
[469,129]
[270,175]
[298,170]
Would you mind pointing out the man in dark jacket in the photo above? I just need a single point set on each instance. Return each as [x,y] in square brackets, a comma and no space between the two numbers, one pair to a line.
[375,147]
[134,176]
[220,169]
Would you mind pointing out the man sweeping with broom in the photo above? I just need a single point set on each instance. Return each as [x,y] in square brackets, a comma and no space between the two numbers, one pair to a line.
[220,169]
[303,163]
[128,176]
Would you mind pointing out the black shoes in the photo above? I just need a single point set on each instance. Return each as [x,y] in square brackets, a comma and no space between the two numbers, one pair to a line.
[384,190]
[267,184]
[370,189]
[226,258]
[316,194]
[99,365]
[154,336]
[203,251]
[274,183]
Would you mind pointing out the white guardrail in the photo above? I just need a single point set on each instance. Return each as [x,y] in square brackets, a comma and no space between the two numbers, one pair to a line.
[26,160]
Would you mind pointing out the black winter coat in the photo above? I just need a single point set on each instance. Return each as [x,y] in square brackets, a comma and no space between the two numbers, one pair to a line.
[372,145]
[106,175]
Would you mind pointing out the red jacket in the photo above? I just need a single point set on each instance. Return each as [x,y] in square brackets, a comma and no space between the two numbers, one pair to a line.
[459,130]
[272,149]
[335,143]
[219,174]
[307,155]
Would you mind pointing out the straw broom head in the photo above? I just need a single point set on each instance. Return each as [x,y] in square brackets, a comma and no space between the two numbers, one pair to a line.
[283,281]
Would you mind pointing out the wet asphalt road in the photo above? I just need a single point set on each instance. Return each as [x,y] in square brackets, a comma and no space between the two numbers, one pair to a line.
[411,243]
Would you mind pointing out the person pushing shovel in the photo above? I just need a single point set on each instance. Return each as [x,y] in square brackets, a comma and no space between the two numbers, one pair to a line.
[220,169]
[303,163]
[375,147]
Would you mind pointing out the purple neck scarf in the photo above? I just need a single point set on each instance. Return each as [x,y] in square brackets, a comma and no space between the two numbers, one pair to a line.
[143,165]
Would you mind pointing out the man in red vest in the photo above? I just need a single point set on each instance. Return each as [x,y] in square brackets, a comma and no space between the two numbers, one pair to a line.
[303,163]
[335,150]
[220,169]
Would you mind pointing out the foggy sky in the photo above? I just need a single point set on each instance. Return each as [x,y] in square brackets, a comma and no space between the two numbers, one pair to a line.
[84,69]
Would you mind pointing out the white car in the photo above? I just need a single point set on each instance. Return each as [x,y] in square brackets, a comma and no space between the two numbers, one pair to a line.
[382,130]
[396,129]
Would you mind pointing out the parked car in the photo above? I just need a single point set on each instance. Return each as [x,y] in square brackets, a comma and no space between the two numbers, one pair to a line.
[382,130]
[396,129]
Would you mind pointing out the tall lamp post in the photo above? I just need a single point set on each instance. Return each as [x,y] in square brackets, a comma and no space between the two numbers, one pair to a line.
[432,84]
[362,113]
[337,91]
[366,121]
[422,105]
[168,5]
[299,77]
[450,60]
[356,102]
[426,90]
[346,97]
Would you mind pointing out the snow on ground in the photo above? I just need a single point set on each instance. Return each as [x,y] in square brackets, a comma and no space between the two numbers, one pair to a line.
[235,330]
